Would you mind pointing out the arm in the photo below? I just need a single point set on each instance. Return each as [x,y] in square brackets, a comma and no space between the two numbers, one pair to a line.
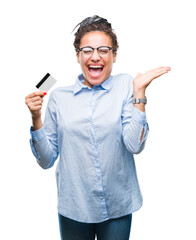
[141,82]
[135,128]
[44,139]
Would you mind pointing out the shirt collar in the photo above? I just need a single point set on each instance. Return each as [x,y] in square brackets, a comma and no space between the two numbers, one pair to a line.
[79,85]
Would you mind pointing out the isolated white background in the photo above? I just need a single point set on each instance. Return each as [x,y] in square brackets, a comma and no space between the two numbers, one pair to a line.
[35,39]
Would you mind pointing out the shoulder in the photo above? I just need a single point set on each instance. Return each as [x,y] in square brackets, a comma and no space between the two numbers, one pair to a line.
[123,80]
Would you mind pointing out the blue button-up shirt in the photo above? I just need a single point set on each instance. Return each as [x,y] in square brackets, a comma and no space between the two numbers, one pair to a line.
[95,132]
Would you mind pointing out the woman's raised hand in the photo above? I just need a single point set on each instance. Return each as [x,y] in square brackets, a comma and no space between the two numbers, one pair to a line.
[141,81]
[34,103]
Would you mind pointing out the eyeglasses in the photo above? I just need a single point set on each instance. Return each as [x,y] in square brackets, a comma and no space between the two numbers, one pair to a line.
[88,51]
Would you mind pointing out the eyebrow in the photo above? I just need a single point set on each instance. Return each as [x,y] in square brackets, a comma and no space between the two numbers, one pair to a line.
[95,47]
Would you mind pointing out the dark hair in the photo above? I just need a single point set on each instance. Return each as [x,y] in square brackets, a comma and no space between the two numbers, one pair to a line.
[94,23]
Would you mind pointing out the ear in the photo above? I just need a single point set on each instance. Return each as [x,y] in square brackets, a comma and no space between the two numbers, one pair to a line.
[78,57]
[114,56]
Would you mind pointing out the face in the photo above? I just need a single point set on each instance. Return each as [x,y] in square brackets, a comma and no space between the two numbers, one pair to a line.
[96,68]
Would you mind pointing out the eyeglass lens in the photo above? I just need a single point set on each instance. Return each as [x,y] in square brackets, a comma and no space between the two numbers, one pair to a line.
[100,50]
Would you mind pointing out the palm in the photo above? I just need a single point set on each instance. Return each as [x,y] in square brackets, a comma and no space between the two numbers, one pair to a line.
[141,81]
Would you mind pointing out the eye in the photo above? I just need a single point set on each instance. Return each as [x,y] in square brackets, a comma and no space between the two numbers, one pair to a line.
[103,50]
[87,50]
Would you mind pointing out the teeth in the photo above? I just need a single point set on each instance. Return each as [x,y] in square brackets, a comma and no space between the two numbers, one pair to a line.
[95,66]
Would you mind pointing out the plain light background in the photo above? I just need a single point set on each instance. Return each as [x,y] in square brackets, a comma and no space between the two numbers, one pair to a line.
[35,39]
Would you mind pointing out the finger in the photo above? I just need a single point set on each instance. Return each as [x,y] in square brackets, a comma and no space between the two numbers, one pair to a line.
[158,70]
[36,108]
[37,103]
[154,73]
[35,94]
[29,101]
[159,74]
[138,74]
[34,99]
[162,69]
[32,107]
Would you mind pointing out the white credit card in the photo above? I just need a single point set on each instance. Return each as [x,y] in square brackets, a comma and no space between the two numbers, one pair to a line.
[46,83]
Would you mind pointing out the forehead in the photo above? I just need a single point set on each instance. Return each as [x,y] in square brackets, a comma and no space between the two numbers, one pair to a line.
[96,39]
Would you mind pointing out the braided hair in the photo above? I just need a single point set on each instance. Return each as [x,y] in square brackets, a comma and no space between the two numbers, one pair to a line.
[94,23]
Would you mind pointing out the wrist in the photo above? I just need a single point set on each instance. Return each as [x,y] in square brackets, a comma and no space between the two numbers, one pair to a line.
[140,100]
[37,123]
[138,92]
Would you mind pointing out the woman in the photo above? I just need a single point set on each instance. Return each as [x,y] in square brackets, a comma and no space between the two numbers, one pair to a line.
[96,126]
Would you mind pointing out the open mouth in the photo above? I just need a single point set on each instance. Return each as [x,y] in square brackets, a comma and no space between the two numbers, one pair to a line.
[95,71]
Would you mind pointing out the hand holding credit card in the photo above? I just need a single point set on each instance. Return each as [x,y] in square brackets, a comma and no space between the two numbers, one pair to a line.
[46,83]
[34,100]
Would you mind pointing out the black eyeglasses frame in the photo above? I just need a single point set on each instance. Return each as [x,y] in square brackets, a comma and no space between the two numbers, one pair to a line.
[80,49]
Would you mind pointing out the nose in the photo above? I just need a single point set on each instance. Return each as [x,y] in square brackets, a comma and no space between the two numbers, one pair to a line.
[95,56]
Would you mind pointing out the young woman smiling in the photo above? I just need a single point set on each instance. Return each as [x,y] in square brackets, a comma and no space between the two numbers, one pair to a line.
[95,126]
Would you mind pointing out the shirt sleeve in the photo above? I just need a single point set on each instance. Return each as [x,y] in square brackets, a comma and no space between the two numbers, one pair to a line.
[44,141]
[133,122]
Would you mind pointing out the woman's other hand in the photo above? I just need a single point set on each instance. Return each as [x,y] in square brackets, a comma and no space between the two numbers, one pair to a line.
[141,81]
[34,103]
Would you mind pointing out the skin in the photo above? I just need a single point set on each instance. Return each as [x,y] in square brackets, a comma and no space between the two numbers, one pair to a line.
[141,82]
[96,39]
[34,102]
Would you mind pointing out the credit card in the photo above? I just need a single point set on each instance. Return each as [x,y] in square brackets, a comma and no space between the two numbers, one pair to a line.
[46,83]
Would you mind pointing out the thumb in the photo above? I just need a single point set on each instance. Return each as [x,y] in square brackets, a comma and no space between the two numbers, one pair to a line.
[138,74]
[44,94]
